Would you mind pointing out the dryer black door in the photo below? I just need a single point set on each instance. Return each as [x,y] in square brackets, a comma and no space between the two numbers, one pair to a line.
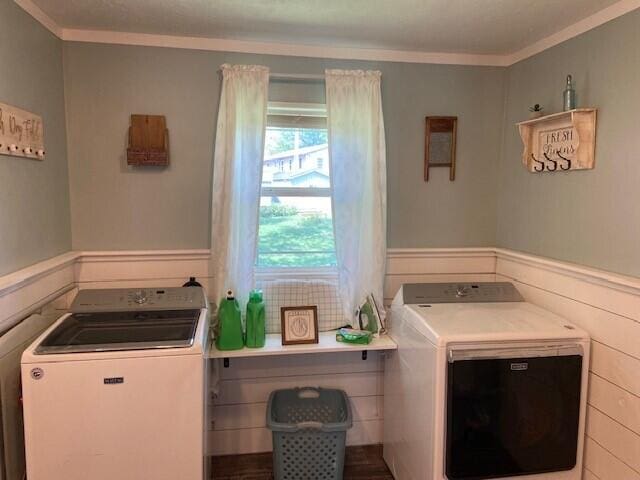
[512,416]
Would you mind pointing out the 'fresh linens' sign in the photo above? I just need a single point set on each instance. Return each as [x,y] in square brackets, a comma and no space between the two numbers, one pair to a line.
[559,142]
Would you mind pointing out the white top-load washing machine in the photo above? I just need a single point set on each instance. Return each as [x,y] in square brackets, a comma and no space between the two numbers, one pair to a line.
[483,385]
[116,388]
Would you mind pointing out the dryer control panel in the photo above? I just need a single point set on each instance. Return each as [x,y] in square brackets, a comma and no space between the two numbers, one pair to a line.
[138,299]
[415,293]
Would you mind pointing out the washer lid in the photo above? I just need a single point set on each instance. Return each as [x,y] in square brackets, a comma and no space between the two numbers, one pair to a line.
[113,331]
[445,323]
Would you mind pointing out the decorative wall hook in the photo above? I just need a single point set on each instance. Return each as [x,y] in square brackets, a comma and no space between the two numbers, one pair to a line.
[553,162]
[568,161]
[535,167]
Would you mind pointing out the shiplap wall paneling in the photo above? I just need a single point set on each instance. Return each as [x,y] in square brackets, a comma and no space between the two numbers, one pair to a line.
[437,265]
[24,290]
[606,305]
[608,308]
[141,269]
[239,411]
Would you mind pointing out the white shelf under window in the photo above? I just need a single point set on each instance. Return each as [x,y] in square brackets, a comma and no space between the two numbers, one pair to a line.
[326,344]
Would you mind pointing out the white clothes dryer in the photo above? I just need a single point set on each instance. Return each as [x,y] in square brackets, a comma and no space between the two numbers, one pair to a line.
[483,386]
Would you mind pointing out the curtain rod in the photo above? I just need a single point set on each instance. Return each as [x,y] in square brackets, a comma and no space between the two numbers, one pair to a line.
[296,76]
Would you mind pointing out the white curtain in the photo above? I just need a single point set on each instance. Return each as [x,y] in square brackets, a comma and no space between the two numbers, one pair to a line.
[237,174]
[358,176]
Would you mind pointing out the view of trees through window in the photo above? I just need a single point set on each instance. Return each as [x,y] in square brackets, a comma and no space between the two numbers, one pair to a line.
[296,225]
[280,140]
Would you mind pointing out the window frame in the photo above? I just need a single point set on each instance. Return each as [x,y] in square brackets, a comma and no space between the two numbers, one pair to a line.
[303,113]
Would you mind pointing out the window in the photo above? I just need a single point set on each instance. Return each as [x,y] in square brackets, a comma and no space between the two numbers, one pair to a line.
[296,224]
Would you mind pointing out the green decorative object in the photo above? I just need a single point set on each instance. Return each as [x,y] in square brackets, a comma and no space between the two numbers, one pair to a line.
[229,332]
[358,337]
[368,316]
[256,333]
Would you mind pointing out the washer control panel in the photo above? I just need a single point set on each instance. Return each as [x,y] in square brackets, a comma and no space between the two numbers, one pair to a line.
[483,292]
[133,299]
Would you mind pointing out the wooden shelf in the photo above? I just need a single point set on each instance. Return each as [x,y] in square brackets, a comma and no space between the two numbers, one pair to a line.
[555,116]
[559,142]
[327,344]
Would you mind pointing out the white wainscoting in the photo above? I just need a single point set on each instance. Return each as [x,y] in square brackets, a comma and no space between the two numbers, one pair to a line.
[238,415]
[25,290]
[239,422]
[427,265]
[21,290]
[604,304]
[608,307]
[239,411]
[130,269]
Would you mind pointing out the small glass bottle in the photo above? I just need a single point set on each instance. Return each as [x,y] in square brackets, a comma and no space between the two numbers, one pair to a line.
[569,95]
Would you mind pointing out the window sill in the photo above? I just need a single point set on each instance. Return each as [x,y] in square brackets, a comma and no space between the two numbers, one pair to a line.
[270,274]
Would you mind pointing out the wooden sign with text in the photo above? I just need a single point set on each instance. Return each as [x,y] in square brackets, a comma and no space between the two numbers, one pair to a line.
[21,133]
[559,142]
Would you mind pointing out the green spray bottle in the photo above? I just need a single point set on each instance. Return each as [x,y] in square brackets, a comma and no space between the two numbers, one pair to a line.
[256,334]
[229,333]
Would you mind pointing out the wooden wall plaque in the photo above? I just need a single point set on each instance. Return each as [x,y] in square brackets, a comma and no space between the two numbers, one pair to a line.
[21,133]
[148,141]
[440,145]
[559,142]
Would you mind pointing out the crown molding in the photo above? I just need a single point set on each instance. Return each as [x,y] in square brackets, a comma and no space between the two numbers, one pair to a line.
[37,13]
[319,51]
[286,49]
[603,16]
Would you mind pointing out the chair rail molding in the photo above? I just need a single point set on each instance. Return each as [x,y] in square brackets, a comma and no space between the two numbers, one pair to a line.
[21,290]
[603,278]
[26,290]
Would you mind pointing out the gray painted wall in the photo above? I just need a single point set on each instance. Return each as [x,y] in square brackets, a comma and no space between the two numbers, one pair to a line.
[118,207]
[34,196]
[587,217]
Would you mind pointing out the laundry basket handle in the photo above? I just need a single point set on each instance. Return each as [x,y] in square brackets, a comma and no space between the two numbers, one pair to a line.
[308,392]
[305,425]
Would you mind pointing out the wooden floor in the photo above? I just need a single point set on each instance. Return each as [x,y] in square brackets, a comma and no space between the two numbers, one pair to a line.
[361,463]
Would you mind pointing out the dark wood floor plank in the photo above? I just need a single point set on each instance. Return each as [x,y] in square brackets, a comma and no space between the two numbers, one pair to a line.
[361,463]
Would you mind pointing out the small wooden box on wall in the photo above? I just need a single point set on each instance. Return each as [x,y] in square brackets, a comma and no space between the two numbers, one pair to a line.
[148,141]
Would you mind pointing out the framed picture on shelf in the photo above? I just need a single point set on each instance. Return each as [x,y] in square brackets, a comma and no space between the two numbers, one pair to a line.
[299,325]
